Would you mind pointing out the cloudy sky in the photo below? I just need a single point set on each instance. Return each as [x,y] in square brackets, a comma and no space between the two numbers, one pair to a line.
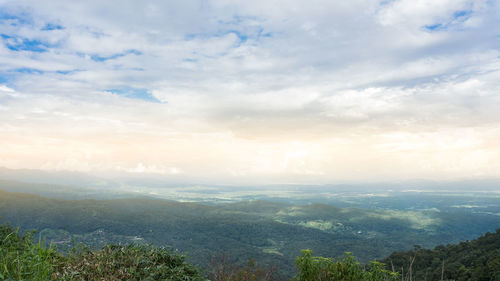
[253,91]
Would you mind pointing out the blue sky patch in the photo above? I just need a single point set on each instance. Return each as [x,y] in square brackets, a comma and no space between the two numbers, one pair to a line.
[434,27]
[52,26]
[14,19]
[267,34]
[7,76]
[66,72]
[243,38]
[63,72]
[264,34]
[457,18]
[462,14]
[16,43]
[135,93]
[27,70]
[115,56]
[190,36]
[386,2]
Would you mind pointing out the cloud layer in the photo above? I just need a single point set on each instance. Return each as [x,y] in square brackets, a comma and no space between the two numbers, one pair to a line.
[252,91]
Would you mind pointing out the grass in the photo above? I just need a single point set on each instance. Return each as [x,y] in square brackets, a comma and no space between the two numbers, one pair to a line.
[22,259]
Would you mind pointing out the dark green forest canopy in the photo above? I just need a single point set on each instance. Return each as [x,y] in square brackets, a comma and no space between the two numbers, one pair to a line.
[474,260]
[22,259]
[272,233]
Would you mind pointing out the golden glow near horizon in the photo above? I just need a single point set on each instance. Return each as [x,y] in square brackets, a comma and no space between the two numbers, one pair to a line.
[240,94]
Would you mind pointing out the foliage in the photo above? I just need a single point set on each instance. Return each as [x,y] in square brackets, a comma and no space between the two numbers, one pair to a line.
[132,262]
[270,232]
[477,260]
[346,269]
[222,269]
[21,259]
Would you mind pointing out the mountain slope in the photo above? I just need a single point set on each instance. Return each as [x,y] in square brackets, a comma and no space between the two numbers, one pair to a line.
[475,260]
[273,233]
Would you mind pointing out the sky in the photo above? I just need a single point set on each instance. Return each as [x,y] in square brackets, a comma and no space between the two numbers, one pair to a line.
[252,91]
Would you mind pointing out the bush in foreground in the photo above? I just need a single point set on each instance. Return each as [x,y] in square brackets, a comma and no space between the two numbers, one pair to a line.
[22,259]
[132,262]
[347,269]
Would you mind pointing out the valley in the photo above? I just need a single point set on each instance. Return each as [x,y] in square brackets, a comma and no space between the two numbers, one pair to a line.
[271,231]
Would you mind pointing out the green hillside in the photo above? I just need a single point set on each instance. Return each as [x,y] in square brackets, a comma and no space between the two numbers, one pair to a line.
[22,259]
[272,233]
[476,260]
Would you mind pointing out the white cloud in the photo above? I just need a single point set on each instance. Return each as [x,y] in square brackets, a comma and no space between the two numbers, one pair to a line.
[246,76]
[418,13]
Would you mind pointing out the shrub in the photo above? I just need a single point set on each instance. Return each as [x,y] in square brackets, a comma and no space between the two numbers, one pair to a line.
[346,269]
[22,259]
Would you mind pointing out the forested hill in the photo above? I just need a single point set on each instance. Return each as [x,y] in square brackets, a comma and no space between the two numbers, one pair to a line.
[270,232]
[476,260]
[22,259]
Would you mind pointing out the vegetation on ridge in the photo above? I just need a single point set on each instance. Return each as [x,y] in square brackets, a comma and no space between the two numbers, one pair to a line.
[346,269]
[272,233]
[476,260]
[23,259]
